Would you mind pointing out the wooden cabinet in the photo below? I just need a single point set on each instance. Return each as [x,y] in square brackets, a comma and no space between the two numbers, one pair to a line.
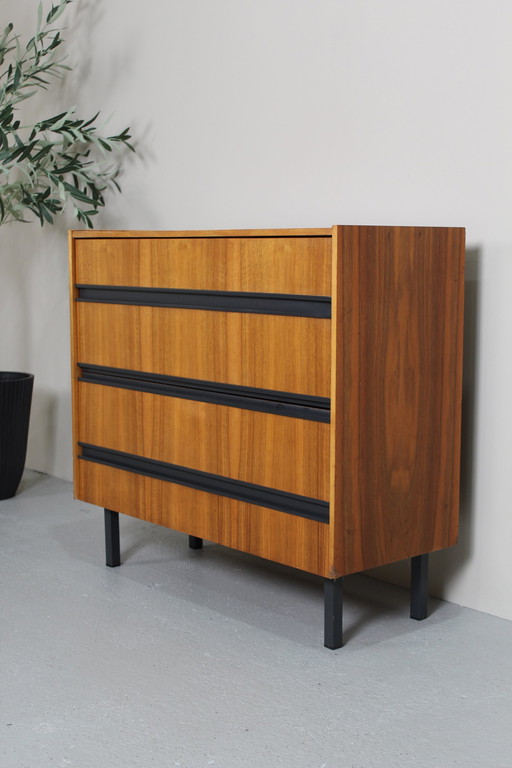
[294,394]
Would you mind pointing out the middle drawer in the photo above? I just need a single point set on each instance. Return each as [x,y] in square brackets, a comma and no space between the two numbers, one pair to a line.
[290,354]
[278,452]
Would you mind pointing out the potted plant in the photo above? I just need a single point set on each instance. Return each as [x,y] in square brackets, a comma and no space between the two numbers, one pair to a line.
[45,166]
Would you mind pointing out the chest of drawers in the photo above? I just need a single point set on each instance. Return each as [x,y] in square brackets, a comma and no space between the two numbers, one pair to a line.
[294,394]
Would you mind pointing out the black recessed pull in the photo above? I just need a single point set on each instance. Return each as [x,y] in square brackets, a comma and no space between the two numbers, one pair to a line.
[250,493]
[297,305]
[289,404]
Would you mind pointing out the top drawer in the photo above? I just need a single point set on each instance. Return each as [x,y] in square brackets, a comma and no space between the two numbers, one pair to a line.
[283,265]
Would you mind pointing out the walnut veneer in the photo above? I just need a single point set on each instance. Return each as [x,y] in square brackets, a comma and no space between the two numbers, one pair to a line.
[294,394]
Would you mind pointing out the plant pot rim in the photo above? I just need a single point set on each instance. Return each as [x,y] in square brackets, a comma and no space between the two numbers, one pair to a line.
[6,376]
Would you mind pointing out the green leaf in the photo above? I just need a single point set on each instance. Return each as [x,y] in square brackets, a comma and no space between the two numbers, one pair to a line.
[57,10]
[91,120]
[43,152]
[61,120]
[39,18]
[60,159]
[26,151]
[17,77]
[57,40]
[77,194]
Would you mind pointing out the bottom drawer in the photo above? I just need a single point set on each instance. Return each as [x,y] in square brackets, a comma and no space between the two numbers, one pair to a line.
[268,533]
[287,454]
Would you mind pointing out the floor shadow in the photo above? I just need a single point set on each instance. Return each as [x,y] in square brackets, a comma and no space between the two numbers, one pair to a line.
[236,586]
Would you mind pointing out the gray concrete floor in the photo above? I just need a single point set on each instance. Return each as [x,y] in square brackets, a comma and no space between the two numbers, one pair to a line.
[214,658]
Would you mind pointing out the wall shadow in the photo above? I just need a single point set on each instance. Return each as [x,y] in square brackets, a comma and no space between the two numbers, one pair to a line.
[43,430]
[448,563]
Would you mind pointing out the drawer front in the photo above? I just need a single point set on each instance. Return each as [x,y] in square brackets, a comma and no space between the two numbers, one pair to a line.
[295,265]
[244,318]
[277,452]
[288,539]
[290,354]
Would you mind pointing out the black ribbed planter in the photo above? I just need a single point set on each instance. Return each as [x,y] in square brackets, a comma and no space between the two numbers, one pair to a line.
[15,401]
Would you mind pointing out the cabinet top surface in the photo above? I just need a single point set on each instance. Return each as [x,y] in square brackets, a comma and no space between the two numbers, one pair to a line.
[128,233]
[79,234]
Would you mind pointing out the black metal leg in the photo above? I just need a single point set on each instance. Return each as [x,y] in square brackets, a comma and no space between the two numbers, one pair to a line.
[195,542]
[112,547]
[419,587]
[333,613]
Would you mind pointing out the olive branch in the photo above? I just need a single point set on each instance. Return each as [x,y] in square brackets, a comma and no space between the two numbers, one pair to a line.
[61,158]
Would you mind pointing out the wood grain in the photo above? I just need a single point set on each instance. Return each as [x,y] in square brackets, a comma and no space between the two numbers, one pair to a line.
[290,265]
[246,527]
[75,371]
[396,393]
[278,452]
[109,234]
[291,354]
[395,385]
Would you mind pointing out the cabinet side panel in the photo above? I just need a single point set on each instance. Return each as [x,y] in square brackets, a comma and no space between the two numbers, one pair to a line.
[396,392]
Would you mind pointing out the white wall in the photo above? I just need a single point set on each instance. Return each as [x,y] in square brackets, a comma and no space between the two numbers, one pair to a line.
[256,113]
